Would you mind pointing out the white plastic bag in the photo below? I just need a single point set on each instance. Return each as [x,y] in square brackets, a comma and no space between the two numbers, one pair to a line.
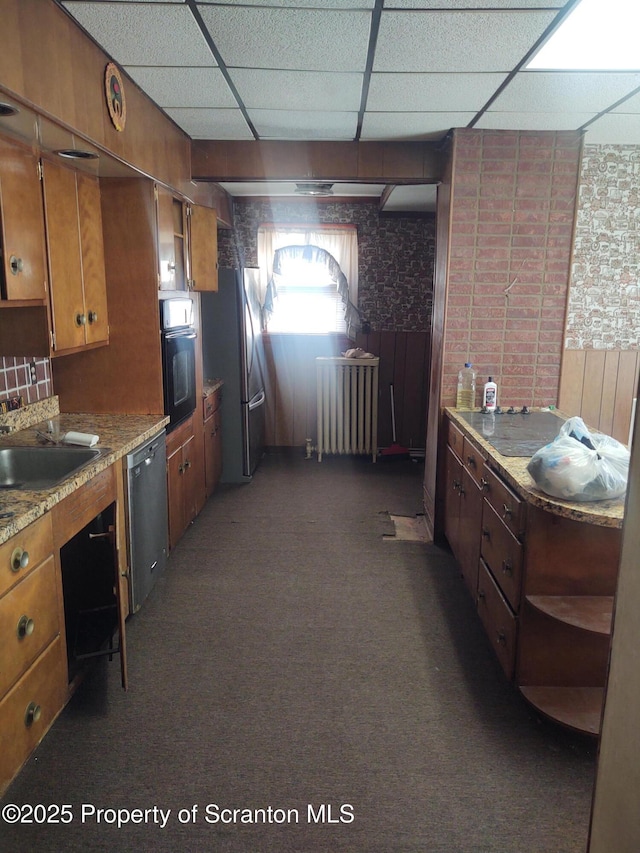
[580,466]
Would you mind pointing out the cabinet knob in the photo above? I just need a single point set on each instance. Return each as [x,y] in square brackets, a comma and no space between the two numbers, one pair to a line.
[25,627]
[486,533]
[507,568]
[187,464]
[19,559]
[16,265]
[484,484]
[507,512]
[501,638]
[81,319]
[481,594]
[471,460]
[456,485]
[93,317]
[32,714]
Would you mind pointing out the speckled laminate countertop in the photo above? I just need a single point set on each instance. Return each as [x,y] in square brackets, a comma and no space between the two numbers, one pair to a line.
[119,435]
[211,385]
[513,469]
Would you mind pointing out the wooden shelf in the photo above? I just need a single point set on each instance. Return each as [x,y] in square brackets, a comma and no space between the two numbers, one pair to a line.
[578,708]
[588,612]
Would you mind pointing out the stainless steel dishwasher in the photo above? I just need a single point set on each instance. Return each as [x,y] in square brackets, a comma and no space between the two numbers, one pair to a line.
[147,516]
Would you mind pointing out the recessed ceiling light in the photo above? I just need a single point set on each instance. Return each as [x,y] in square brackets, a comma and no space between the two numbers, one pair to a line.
[76,154]
[8,110]
[314,189]
[597,35]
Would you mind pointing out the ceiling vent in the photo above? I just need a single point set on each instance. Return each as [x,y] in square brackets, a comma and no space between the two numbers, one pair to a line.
[314,189]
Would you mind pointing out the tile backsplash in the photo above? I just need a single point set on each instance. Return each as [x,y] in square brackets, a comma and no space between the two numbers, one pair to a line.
[15,378]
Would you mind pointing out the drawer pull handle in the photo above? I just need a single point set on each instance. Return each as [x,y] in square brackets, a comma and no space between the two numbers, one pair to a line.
[456,485]
[481,594]
[484,484]
[25,628]
[471,460]
[501,638]
[507,512]
[507,568]
[486,533]
[32,714]
[19,559]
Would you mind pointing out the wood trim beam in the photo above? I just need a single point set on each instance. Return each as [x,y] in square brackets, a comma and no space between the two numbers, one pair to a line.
[366,162]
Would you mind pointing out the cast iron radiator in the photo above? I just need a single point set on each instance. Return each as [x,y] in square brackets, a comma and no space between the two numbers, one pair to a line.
[347,406]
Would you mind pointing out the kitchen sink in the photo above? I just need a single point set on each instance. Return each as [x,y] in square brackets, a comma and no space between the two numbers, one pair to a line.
[41,467]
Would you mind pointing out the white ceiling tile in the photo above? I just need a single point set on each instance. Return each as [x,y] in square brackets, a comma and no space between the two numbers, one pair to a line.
[297,4]
[431,92]
[412,199]
[473,4]
[274,124]
[412,126]
[614,129]
[309,39]
[532,120]
[143,33]
[184,87]
[560,91]
[457,41]
[298,90]
[631,105]
[211,124]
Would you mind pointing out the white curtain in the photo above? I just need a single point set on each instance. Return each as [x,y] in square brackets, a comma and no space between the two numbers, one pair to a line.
[340,242]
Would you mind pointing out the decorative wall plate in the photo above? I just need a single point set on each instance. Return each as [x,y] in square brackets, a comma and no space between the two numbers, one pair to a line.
[114,92]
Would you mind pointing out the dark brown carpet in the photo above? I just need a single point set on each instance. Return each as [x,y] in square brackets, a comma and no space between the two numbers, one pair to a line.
[290,659]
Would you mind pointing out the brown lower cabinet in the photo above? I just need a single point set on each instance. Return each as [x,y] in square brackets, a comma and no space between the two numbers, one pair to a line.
[182,482]
[57,577]
[212,413]
[543,585]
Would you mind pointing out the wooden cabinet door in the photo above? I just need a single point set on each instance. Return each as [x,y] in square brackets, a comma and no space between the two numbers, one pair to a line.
[469,530]
[65,264]
[213,451]
[166,244]
[452,500]
[92,248]
[189,476]
[23,241]
[203,245]
[175,494]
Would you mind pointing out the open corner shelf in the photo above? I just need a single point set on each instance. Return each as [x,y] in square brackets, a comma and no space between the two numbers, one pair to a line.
[588,612]
[578,708]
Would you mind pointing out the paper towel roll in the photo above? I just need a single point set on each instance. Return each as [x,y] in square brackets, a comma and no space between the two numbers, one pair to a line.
[83,438]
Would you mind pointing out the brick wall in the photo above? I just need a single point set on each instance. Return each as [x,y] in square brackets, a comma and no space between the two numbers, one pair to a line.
[395,254]
[513,197]
[15,379]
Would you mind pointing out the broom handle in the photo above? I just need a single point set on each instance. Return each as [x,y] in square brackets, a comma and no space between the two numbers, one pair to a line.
[393,413]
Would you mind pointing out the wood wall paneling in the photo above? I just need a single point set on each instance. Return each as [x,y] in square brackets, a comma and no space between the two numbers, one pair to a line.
[599,386]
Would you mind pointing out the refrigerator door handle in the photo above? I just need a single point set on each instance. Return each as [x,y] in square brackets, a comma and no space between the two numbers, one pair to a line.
[257,401]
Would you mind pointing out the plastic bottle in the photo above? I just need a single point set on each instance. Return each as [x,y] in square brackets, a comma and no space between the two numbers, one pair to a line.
[466,396]
[490,395]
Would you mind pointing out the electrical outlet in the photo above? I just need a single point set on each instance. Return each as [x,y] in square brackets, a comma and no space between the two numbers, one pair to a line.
[33,378]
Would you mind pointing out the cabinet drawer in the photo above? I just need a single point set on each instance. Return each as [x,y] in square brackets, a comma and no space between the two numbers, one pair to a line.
[498,620]
[506,503]
[455,438]
[503,554]
[27,711]
[24,551]
[211,403]
[473,460]
[28,622]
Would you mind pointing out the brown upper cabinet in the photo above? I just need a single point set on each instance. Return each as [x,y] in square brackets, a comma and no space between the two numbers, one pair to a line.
[23,244]
[187,244]
[76,259]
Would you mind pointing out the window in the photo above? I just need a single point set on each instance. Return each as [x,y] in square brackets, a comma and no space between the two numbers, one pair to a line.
[307,290]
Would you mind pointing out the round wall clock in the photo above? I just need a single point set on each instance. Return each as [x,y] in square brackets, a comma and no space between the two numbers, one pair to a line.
[114,92]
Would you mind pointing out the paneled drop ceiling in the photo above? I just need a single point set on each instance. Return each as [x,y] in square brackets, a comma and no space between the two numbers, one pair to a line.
[357,70]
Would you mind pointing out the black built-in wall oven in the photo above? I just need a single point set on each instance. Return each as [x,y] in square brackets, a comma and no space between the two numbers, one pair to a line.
[178,358]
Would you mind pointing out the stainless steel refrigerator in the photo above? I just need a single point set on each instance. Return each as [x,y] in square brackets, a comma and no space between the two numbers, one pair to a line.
[233,351]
